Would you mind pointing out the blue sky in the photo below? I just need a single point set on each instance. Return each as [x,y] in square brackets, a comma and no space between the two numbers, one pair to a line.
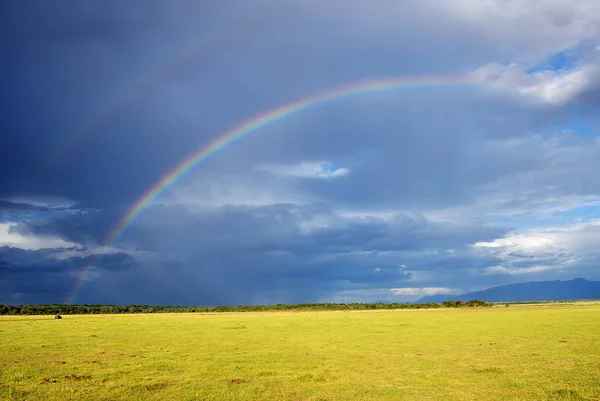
[380,197]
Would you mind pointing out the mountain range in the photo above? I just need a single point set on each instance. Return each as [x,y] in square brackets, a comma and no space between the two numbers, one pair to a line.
[557,290]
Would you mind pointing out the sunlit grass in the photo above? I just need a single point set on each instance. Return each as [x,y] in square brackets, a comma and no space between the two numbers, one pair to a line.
[521,352]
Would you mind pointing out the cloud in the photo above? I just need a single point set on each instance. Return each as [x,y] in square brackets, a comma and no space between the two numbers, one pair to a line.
[520,271]
[46,276]
[321,170]
[531,29]
[221,189]
[268,253]
[429,186]
[552,87]
[421,291]
[40,201]
[523,242]
[20,204]
[559,248]
[8,237]
[86,227]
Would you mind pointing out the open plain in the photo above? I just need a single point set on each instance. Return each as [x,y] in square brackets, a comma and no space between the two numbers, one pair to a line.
[521,352]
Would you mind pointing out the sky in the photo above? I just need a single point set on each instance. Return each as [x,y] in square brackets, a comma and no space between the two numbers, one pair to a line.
[481,171]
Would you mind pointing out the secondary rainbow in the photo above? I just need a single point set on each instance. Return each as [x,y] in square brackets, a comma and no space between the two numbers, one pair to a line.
[256,123]
[144,81]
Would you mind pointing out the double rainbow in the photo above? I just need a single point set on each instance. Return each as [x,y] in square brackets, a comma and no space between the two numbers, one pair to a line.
[253,125]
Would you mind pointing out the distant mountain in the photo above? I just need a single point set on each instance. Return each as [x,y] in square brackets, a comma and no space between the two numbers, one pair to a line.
[557,290]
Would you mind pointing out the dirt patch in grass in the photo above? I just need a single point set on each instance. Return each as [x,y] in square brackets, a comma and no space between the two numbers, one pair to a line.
[75,377]
[237,381]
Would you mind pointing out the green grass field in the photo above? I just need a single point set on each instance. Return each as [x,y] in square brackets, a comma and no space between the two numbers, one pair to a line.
[549,352]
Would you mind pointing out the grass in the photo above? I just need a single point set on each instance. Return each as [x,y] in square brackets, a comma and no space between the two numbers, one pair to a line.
[549,352]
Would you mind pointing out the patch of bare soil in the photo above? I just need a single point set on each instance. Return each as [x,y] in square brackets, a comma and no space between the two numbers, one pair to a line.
[75,377]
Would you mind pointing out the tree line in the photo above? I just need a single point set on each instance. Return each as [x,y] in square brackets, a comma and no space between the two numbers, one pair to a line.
[65,309]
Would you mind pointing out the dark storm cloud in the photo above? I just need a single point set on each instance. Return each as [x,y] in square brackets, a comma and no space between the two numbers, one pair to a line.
[253,253]
[15,260]
[78,226]
[45,275]
[8,206]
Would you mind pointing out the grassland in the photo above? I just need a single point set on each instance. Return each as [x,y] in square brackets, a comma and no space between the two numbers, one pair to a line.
[549,352]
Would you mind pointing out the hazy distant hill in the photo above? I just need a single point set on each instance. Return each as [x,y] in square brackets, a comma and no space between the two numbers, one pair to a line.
[578,288]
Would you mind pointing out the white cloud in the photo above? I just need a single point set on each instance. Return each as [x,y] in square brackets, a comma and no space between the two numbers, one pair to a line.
[518,271]
[421,291]
[30,242]
[576,236]
[370,214]
[523,242]
[384,294]
[552,87]
[319,170]
[525,30]
[533,28]
[543,249]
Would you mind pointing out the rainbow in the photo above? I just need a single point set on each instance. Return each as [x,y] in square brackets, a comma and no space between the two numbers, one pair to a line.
[111,109]
[256,123]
